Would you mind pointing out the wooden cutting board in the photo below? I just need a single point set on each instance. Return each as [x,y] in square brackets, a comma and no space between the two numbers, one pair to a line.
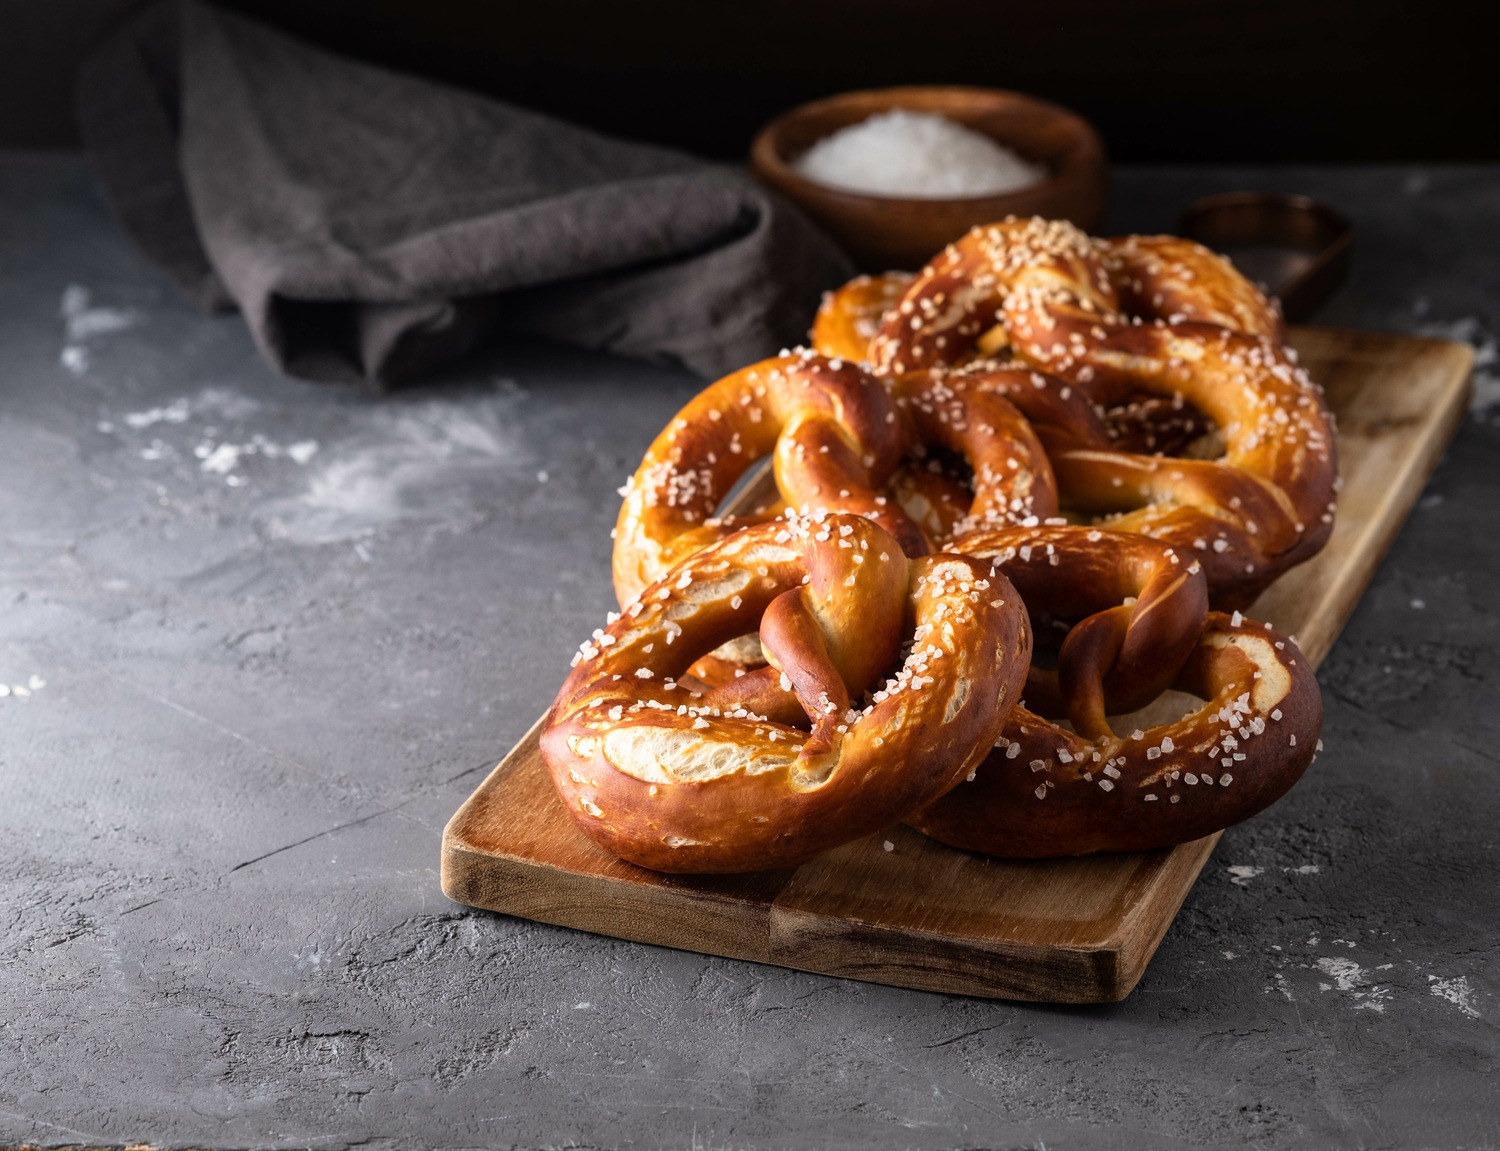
[928,916]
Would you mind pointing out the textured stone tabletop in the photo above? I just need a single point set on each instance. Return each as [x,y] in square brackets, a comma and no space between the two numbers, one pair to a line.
[259,639]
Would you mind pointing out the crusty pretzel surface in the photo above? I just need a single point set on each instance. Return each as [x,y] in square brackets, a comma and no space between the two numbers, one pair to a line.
[1047,791]
[902,671]
[1098,439]
[832,429]
[1169,341]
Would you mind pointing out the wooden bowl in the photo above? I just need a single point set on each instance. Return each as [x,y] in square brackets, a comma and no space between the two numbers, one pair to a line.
[890,232]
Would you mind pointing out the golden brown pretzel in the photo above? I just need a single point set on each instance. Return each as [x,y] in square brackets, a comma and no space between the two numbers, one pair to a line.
[1045,791]
[849,317]
[1010,479]
[1173,279]
[1143,606]
[966,302]
[678,781]
[1265,505]
[1045,290]
[1060,300]
[833,430]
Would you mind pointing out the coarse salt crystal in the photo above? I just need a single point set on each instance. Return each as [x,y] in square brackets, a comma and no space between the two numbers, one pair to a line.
[918,154]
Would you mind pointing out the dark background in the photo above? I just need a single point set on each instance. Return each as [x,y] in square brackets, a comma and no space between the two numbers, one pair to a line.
[1165,80]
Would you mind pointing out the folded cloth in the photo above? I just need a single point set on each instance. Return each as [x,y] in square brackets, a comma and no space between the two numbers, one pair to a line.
[371,225]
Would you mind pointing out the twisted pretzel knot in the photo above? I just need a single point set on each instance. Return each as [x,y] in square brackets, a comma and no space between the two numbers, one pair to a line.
[680,780]
[1143,606]
[1046,290]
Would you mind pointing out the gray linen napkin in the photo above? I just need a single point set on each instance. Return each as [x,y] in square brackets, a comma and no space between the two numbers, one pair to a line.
[371,225]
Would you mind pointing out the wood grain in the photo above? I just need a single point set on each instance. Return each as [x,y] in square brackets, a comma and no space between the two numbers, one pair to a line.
[928,916]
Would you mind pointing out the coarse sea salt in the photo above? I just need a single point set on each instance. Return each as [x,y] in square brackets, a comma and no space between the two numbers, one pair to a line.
[918,154]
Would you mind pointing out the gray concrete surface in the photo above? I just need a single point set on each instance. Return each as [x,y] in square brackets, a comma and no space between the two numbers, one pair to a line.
[270,634]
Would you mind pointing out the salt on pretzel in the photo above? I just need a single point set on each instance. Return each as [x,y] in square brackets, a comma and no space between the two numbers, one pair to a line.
[1140,605]
[972,412]
[960,306]
[1173,279]
[675,780]
[849,316]
[1265,505]
[1009,480]
[1060,300]
[832,429]
[1044,289]
[1046,791]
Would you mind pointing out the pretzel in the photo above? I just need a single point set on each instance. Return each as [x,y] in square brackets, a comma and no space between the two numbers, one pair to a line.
[683,781]
[1010,479]
[1265,506]
[1045,289]
[1057,299]
[849,317]
[1045,791]
[833,430]
[1144,607]
[1173,279]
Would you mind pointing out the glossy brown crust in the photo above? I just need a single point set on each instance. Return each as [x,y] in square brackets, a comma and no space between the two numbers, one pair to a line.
[1010,479]
[832,429]
[1045,791]
[1041,288]
[1167,334]
[849,317]
[1141,607]
[1264,506]
[670,781]
[1172,279]
[963,305]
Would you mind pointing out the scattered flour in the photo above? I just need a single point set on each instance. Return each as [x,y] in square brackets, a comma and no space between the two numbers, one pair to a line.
[176,412]
[1469,330]
[1348,976]
[34,683]
[1457,991]
[216,456]
[222,458]
[422,460]
[1241,874]
[84,322]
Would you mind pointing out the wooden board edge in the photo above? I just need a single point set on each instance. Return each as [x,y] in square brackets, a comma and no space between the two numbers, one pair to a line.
[931,961]
[1145,926]
[1405,487]
[602,906]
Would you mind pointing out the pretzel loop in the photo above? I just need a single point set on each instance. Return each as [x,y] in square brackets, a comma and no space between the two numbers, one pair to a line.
[833,431]
[1045,791]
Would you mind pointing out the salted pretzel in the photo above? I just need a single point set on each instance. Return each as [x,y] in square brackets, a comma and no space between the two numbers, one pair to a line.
[1046,791]
[1044,289]
[1265,505]
[1009,477]
[1173,279]
[1140,605]
[1046,292]
[835,436]
[975,413]
[849,316]
[687,781]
